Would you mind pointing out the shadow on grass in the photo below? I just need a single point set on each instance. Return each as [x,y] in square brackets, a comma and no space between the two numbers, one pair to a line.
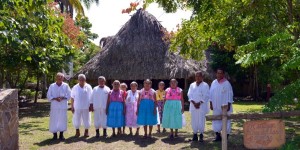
[29,127]
[35,110]
[69,140]
[144,142]
[174,141]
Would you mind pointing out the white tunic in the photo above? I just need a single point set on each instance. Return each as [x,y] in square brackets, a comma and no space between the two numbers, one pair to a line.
[58,112]
[55,91]
[81,96]
[221,94]
[99,97]
[99,100]
[198,94]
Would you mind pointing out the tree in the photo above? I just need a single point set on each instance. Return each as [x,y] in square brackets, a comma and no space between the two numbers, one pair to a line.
[31,40]
[88,49]
[67,6]
[264,35]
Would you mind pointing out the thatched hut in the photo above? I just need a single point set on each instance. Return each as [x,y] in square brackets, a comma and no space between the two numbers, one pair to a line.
[138,52]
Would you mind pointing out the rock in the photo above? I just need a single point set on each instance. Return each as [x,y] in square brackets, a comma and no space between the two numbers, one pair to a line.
[9,119]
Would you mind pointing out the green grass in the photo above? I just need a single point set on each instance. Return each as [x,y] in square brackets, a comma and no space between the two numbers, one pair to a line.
[34,119]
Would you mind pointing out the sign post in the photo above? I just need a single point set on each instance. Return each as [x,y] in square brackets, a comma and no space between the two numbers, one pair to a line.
[224,127]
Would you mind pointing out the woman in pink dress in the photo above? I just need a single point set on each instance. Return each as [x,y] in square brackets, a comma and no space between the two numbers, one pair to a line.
[131,107]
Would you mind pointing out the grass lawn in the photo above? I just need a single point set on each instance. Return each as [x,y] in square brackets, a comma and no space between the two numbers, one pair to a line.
[34,119]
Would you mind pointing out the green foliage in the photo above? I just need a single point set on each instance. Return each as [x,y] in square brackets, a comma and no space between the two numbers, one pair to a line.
[264,35]
[224,59]
[89,49]
[292,144]
[31,36]
[32,42]
[284,99]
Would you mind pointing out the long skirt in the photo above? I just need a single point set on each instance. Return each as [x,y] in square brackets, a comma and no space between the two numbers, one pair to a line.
[217,124]
[160,106]
[100,118]
[146,113]
[131,117]
[115,117]
[172,114]
[58,120]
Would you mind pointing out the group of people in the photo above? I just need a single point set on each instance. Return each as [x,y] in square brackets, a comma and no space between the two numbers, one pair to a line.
[118,108]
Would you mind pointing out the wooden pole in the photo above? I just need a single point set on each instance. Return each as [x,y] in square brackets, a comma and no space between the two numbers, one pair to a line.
[255,115]
[224,127]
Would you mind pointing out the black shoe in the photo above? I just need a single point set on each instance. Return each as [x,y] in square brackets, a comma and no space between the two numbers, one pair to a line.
[201,138]
[227,136]
[61,136]
[97,133]
[195,137]
[54,136]
[104,133]
[218,137]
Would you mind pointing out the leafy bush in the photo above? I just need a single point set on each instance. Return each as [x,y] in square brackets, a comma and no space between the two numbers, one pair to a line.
[284,100]
[292,144]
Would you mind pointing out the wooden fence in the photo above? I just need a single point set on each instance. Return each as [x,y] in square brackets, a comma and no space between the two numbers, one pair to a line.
[224,117]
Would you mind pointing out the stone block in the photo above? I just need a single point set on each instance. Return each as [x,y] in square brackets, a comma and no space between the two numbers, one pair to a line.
[9,120]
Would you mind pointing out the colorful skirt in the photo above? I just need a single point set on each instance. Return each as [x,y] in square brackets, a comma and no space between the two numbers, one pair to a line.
[131,117]
[146,115]
[115,117]
[160,106]
[172,115]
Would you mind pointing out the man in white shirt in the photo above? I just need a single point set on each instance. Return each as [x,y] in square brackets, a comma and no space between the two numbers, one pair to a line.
[98,105]
[80,102]
[58,94]
[198,95]
[221,94]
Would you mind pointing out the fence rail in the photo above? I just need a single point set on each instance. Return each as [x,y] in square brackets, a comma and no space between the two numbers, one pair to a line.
[281,114]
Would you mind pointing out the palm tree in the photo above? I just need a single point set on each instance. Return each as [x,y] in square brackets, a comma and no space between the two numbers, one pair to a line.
[68,6]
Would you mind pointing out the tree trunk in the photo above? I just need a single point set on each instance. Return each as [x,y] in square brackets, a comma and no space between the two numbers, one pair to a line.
[2,79]
[256,90]
[37,88]
[22,85]
[44,88]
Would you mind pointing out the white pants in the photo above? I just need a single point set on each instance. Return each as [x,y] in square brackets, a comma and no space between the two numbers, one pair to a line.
[100,118]
[217,124]
[82,116]
[58,120]
[198,121]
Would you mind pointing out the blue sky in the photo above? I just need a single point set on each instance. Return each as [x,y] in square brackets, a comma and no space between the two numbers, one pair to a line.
[107,18]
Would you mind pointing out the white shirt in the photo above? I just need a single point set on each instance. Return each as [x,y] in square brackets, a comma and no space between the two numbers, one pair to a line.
[221,94]
[198,94]
[81,96]
[131,98]
[55,91]
[99,97]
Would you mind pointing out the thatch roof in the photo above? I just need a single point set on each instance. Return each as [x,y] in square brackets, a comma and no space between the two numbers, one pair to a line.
[137,52]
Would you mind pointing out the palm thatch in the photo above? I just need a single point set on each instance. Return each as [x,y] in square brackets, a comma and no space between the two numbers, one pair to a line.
[137,52]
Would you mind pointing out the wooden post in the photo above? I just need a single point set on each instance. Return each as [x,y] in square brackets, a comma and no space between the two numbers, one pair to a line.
[224,127]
